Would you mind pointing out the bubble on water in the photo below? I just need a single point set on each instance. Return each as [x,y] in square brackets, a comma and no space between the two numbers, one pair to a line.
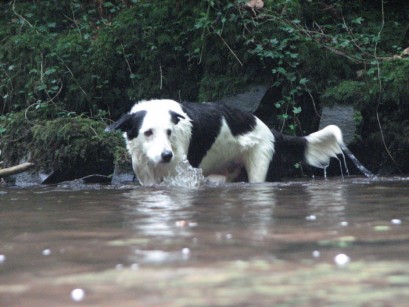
[396,221]
[134,267]
[316,254]
[2,258]
[344,223]
[229,236]
[311,217]
[46,252]
[119,267]
[341,259]
[185,251]
[77,294]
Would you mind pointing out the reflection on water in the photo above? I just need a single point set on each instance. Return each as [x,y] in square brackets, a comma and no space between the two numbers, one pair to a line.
[241,242]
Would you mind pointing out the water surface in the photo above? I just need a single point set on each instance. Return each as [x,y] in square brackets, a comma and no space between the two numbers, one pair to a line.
[239,244]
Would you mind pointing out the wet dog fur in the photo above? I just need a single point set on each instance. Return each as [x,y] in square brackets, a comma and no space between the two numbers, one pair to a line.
[217,138]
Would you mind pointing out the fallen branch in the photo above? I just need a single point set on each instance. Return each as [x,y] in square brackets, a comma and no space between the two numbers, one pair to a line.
[15,169]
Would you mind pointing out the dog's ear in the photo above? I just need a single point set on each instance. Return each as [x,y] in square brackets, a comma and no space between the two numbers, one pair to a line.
[129,123]
[175,117]
[121,124]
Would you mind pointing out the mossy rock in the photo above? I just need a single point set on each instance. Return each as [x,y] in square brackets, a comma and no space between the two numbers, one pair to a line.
[68,148]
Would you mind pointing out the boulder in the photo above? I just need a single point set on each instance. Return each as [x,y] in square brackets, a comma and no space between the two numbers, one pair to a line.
[123,174]
[248,100]
[342,116]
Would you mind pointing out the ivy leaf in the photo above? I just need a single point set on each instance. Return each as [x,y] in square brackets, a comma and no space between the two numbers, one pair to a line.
[296,110]
[50,71]
[303,81]
[357,21]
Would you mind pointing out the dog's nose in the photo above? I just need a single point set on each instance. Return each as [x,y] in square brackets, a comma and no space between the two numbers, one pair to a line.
[167,155]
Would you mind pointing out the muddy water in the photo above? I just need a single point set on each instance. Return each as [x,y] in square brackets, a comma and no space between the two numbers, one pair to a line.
[308,243]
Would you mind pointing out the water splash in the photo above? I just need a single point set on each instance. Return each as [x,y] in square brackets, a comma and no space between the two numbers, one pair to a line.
[345,164]
[186,176]
[356,162]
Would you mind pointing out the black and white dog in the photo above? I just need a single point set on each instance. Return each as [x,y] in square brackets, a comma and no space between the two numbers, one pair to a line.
[217,138]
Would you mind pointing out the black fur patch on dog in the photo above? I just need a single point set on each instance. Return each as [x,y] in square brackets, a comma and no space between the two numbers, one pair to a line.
[207,122]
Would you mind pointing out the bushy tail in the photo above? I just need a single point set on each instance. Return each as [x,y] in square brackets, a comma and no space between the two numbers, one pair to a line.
[323,145]
[317,148]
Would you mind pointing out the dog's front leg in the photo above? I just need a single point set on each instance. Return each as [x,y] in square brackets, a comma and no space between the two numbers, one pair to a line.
[256,163]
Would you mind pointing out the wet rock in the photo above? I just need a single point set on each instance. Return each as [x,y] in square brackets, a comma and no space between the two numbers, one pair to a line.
[123,174]
[343,117]
[87,172]
[29,178]
[249,100]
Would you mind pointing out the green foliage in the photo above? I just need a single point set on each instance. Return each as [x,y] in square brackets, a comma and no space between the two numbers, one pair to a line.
[347,92]
[382,99]
[15,134]
[63,61]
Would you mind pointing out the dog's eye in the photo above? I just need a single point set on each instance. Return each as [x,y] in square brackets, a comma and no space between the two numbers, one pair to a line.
[148,132]
[169,132]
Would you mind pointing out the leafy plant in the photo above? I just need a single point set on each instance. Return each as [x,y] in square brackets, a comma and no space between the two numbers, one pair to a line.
[63,60]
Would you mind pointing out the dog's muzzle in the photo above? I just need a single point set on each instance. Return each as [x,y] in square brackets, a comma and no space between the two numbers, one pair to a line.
[166,156]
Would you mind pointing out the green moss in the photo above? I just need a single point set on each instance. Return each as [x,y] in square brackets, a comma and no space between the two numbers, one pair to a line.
[346,92]
[66,141]
[59,143]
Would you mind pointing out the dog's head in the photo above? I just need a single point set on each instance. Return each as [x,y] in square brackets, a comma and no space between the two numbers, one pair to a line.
[149,133]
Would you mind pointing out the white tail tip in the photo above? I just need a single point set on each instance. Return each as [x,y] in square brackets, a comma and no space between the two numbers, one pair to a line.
[323,145]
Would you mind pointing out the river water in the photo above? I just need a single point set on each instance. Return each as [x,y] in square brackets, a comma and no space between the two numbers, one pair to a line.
[307,243]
